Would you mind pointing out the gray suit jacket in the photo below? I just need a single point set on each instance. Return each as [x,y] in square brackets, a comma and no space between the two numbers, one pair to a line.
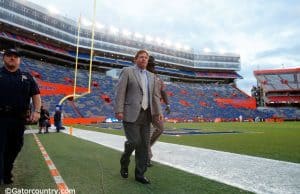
[129,94]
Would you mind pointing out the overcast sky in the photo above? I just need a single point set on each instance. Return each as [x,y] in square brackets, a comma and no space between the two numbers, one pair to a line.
[264,32]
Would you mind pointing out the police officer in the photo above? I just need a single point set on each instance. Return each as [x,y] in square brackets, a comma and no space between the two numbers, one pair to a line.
[16,90]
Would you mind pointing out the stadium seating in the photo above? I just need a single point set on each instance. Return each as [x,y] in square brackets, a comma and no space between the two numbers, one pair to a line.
[188,101]
[273,82]
[199,100]
[288,113]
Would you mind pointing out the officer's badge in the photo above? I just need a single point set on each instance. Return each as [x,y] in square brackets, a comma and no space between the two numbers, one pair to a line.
[24,77]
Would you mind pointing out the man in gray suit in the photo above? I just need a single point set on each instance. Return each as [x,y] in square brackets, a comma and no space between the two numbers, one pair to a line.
[136,104]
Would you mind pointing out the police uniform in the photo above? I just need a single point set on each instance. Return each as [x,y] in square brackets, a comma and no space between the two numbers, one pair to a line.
[16,89]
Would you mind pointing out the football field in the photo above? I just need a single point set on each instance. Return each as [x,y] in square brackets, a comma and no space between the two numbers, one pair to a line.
[91,168]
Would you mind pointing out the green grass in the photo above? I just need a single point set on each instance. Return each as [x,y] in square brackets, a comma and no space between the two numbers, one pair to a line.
[91,168]
[279,141]
[30,169]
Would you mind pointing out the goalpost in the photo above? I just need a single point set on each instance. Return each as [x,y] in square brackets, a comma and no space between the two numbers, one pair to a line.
[74,95]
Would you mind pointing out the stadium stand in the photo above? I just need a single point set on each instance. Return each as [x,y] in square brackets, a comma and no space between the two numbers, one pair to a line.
[189,101]
[279,90]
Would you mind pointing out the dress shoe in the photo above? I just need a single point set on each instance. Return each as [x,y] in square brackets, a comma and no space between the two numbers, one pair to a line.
[124,172]
[149,164]
[142,180]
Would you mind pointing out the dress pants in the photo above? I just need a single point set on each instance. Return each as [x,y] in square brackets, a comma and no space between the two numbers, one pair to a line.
[155,132]
[138,135]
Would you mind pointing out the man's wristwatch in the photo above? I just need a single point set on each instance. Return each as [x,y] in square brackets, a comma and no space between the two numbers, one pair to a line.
[37,111]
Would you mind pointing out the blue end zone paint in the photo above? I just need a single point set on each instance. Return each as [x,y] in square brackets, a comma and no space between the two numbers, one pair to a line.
[179,131]
[198,132]
[189,131]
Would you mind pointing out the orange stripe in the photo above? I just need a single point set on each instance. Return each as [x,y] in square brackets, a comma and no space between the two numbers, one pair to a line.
[49,162]
[62,187]
[54,172]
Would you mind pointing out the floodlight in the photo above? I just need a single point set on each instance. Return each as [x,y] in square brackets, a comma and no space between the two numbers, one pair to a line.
[168,43]
[138,35]
[148,38]
[207,50]
[186,48]
[99,25]
[113,30]
[178,46]
[222,51]
[86,22]
[158,40]
[125,32]
[52,9]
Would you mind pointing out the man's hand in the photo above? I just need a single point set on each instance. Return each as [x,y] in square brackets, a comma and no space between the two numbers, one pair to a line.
[160,117]
[119,116]
[168,109]
[34,117]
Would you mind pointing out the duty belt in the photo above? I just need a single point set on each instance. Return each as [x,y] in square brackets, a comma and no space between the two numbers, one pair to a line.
[8,111]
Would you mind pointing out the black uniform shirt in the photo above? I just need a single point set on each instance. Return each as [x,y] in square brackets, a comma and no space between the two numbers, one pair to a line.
[16,89]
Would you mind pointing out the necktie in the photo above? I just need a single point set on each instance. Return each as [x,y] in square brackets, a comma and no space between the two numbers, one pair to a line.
[145,90]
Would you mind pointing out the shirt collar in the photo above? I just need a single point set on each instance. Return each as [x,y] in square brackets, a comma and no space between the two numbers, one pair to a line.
[140,70]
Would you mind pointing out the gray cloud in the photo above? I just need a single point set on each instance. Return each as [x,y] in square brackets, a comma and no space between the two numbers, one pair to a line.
[285,51]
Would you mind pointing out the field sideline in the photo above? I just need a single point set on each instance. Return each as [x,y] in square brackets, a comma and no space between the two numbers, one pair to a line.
[278,141]
[91,168]
[83,163]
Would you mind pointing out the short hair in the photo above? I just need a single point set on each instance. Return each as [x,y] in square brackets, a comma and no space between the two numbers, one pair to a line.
[140,52]
[151,61]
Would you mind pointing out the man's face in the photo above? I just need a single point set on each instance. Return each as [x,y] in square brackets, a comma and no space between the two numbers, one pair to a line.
[11,62]
[142,60]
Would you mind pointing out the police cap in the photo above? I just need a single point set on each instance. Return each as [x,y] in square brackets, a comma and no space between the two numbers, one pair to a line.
[12,51]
